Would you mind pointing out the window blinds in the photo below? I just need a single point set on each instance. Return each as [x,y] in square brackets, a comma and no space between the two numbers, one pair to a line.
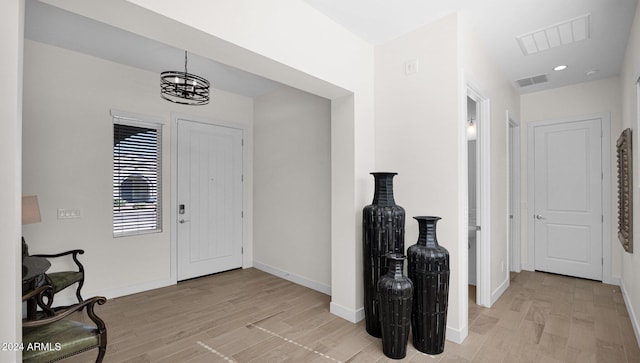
[136,177]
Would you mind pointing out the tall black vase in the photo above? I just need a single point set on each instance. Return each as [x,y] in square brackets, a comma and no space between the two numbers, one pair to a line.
[395,295]
[382,233]
[429,271]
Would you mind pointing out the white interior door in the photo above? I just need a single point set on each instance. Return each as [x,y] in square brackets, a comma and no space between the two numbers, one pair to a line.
[567,218]
[209,199]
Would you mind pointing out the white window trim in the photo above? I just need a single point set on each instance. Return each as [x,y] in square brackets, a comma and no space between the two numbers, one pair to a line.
[136,119]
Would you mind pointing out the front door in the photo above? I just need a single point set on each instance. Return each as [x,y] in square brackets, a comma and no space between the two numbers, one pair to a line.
[209,199]
[567,215]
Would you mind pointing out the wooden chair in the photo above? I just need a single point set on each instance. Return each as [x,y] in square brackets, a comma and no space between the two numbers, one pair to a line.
[53,338]
[63,279]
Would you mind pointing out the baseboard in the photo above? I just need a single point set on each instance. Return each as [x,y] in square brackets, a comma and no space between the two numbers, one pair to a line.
[632,314]
[457,335]
[68,299]
[325,289]
[351,315]
[499,291]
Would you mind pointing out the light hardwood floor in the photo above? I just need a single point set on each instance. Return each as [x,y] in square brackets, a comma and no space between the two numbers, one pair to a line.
[250,316]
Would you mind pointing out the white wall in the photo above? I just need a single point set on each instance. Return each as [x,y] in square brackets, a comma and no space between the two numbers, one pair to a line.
[482,70]
[420,133]
[565,102]
[417,132]
[67,157]
[292,187]
[630,118]
[290,42]
[11,35]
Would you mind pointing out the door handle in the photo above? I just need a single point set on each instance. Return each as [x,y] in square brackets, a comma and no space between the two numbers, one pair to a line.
[539,216]
[183,221]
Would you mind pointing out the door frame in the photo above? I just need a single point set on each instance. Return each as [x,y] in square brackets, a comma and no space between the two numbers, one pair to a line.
[483,236]
[605,118]
[247,188]
[513,165]
[637,87]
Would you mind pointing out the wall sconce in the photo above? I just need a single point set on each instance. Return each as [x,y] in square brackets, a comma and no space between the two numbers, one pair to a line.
[471,129]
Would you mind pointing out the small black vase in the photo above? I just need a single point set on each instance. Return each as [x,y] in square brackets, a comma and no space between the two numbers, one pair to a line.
[395,295]
[382,233]
[428,269]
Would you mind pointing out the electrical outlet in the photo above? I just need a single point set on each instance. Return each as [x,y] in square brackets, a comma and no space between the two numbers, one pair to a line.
[64,213]
[502,266]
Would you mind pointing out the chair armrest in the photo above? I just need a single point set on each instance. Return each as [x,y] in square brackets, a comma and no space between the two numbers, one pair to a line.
[75,254]
[61,314]
[39,294]
[40,291]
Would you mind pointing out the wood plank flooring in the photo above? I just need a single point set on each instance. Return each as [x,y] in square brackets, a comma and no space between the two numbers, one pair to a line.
[250,316]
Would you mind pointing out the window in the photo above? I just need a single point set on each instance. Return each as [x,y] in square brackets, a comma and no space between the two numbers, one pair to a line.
[136,176]
[135,188]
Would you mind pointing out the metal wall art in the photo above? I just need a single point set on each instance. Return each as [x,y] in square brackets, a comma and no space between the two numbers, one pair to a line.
[625,191]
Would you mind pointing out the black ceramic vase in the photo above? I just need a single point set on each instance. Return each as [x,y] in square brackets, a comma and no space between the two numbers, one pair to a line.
[395,295]
[382,233]
[428,269]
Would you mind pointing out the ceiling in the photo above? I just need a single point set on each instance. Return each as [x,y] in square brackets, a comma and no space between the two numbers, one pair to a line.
[497,24]
[51,25]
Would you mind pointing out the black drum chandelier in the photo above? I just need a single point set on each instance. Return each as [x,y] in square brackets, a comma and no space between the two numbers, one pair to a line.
[183,87]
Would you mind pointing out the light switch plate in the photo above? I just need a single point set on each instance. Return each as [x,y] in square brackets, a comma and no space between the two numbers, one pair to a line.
[64,213]
[411,67]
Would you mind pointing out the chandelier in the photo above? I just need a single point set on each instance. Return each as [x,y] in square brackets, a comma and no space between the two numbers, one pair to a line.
[183,87]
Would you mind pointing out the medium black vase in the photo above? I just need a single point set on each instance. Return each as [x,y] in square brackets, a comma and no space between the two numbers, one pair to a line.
[429,271]
[382,233]
[395,295]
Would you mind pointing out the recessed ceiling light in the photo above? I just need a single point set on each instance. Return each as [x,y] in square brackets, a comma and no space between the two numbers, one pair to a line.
[592,72]
[560,68]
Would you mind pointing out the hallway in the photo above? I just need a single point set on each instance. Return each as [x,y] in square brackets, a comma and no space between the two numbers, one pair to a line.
[551,318]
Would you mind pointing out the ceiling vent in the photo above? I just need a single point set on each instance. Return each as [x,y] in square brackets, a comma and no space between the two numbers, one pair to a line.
[530,81]
[567,32]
